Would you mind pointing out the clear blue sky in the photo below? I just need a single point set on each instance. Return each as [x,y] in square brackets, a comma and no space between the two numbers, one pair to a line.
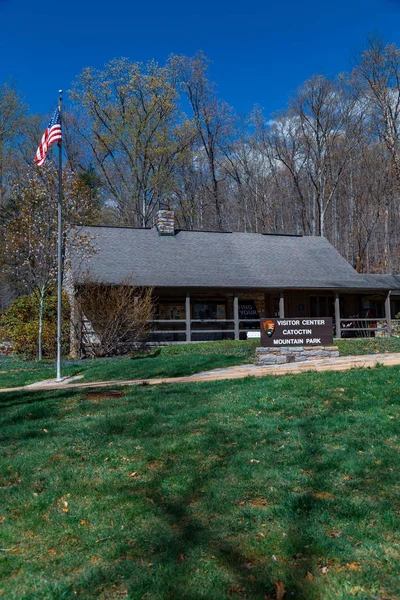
[261,51]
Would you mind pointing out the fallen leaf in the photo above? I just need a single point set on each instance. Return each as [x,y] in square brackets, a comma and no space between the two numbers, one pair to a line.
[335,534]
[259,503]
[280,590]
[353,566]
[234,588]
[181,557]
[310,576]
[356,590]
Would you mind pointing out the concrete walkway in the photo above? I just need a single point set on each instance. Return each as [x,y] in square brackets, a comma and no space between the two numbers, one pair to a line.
[237,372]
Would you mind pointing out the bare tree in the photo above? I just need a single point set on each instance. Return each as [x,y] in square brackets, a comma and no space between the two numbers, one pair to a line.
[129,118]
[112,318]
[315,140]
[378,76]
[212,122]
[13,114]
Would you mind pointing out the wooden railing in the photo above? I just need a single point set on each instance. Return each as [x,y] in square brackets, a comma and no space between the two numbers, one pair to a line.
[177,330]
[358,327]
[180,330]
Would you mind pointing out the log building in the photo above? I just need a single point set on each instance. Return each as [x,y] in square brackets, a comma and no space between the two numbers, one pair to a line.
[211,285]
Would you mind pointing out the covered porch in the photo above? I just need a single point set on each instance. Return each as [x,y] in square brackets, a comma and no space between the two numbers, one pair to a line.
[192,315]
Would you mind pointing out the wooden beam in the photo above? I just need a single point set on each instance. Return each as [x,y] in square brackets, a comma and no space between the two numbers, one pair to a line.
[337,316]
[236,314]
[266,306]
[388,315]
[188,317]
[281,305]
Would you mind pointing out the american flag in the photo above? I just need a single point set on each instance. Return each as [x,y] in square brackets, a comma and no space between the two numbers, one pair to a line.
[51,134]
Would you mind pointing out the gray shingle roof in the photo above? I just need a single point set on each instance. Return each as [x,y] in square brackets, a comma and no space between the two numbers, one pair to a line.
[221,260]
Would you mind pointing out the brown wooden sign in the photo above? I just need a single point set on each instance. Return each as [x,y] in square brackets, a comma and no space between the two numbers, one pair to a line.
[301,331]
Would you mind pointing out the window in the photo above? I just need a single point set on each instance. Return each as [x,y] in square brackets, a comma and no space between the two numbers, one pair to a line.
[208,310]
[172,311]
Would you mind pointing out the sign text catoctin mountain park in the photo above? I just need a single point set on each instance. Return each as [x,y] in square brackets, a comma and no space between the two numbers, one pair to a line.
[297,332]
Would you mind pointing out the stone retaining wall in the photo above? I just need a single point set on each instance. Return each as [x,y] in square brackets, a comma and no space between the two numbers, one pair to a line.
[289,354]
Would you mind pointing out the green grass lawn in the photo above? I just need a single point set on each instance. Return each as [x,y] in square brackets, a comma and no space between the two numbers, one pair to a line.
[357,346]
[224,490]
[170,361]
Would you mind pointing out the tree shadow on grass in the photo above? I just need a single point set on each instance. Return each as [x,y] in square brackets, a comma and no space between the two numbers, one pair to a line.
[21,412]
[187,548]
[24,397]
[329,499]
[178,545]
[188,543]
[301,544]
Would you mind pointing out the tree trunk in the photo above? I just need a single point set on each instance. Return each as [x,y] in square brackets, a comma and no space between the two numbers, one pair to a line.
[40,333]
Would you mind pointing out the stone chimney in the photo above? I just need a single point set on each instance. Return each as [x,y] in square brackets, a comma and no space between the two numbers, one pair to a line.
[165,222]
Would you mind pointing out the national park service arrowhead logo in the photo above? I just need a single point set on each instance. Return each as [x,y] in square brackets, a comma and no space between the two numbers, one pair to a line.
[269,328]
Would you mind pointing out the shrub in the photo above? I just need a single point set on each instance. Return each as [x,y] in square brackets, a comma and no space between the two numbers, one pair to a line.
[21,325]
[396,325]
[114,317]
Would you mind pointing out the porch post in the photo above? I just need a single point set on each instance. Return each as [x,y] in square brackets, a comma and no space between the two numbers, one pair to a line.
[236,314]
[266,306]
[281,305]
[388,315]
[187,317]
[337,316]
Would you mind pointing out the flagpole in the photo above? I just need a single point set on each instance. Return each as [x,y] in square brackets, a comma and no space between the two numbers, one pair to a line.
[59,249]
